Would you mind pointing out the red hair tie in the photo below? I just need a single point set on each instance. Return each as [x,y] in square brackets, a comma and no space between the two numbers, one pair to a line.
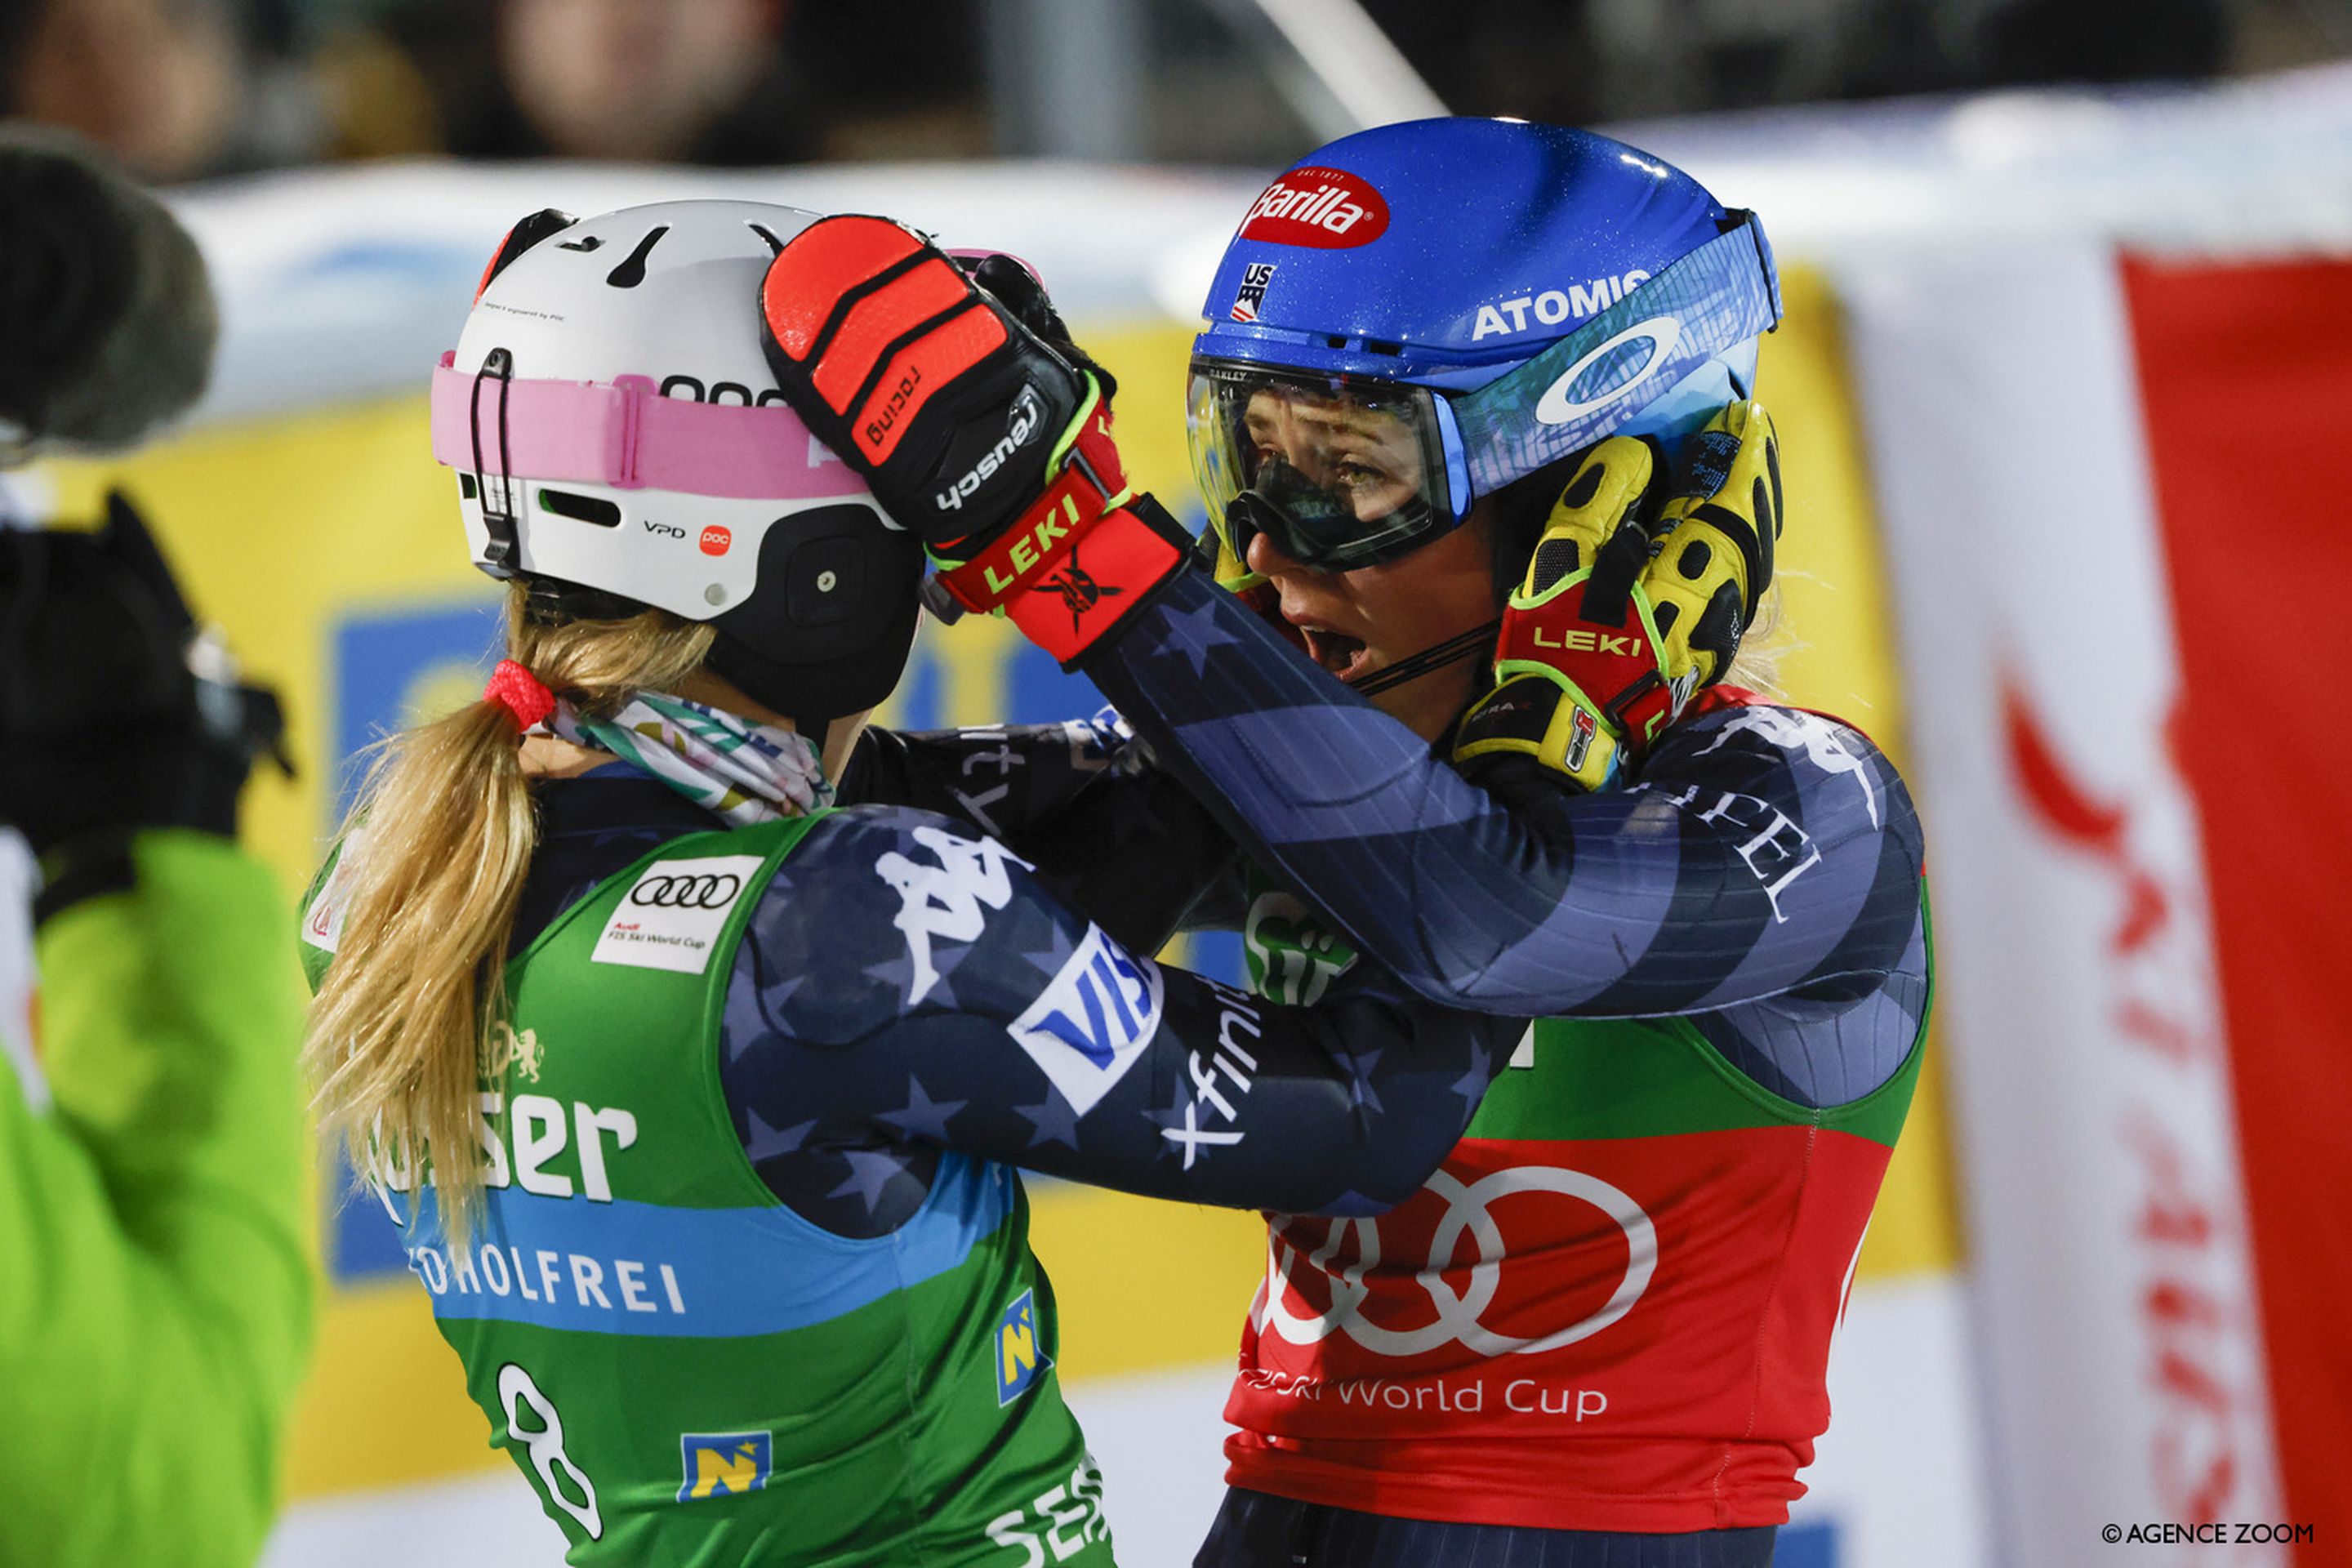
[521,693]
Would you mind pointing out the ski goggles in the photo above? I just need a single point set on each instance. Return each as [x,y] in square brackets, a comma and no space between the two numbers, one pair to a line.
[1336,471]
[1342,471]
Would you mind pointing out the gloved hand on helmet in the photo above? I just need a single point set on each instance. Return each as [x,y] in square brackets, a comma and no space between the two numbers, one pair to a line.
[961,401]
[1639,592]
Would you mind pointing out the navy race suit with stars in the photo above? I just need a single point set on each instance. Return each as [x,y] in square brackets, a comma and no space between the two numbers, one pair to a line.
[853,1053]
[1755,892]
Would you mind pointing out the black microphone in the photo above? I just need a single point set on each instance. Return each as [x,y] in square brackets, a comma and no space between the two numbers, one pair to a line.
[107,318]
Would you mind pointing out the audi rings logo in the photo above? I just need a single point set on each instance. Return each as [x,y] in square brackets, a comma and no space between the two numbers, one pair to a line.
[1460,1318]
[704,891]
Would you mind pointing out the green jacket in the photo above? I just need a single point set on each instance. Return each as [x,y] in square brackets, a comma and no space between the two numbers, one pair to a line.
[156,1223]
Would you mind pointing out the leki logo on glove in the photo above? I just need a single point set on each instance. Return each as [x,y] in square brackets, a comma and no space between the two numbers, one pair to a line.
[1326,209]
[1021,426]
[1576,639]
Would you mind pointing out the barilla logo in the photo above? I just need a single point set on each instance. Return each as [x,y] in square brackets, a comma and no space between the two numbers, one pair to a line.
[1327,209]
[716,541]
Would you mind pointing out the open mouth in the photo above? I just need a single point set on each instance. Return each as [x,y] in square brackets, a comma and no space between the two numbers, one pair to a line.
[1335,651]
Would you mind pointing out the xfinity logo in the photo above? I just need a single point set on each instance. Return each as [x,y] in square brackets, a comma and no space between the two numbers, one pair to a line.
[1560,405]
[1021,426]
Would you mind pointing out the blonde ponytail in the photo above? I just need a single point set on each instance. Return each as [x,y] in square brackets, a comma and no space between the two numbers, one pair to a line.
[400,1030]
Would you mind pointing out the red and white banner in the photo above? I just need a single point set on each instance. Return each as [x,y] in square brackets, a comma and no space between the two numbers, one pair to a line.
[2105,491]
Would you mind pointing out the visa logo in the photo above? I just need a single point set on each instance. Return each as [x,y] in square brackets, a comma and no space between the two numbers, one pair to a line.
[1020,1354]
[1092,1020]
[725,1464]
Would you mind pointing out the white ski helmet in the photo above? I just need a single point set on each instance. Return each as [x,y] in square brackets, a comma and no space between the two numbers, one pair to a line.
[620,442]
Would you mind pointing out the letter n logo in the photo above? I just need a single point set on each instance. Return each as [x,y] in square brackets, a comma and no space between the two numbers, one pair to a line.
[725,1464]
[1020,1350]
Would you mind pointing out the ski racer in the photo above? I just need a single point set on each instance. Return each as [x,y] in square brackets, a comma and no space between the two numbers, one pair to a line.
[1453,367]
[696,1101]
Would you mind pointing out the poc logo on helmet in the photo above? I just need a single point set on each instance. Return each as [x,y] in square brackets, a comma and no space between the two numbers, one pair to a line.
[1327,209]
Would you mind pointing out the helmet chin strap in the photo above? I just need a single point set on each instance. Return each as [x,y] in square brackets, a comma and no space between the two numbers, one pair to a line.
[1453,650]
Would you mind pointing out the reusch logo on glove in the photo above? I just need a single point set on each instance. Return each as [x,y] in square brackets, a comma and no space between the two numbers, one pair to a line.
[1327,209]
[1021,425]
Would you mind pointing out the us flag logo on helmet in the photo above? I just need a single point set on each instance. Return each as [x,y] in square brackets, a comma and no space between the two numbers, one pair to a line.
[1251,295]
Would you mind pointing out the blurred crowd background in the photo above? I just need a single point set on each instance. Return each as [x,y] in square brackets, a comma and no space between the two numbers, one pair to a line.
[192,90]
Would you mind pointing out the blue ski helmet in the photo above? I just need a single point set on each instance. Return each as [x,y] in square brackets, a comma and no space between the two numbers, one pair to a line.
[1417,315]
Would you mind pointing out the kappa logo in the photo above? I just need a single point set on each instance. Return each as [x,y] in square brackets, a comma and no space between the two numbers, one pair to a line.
[1325,209]
[725,1464]
[1092,1020]
[1568,398]
[672,915]
[945,902]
